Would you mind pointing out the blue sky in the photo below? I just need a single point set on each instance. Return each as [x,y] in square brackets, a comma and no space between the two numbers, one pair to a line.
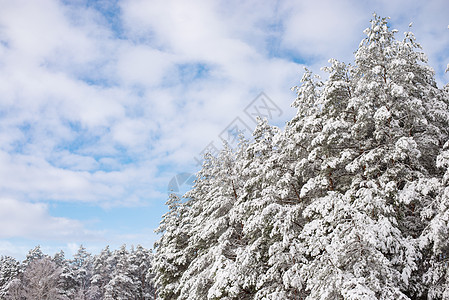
[103,102]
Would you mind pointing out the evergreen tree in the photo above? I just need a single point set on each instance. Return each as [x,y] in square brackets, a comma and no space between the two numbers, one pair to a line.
[121,286]
[102,269]
[9,270]
[435,240]
[34,254]
[348,202]
[59,258]
[264,211]
[67,279]
[81,266]
[213,234]
[140,260]
[362,237]
[171,258]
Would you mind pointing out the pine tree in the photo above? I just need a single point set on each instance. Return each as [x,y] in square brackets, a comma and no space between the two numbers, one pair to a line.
[264,212]
[9,270]
[34,254]
[102,269]
[121,286]
[172,255]
[81,266]
[59,258]
[435,239]
[67,278]
[362,236]
[140,260]
[213,234]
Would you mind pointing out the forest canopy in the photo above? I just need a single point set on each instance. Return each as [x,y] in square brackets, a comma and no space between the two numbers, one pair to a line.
[349,201]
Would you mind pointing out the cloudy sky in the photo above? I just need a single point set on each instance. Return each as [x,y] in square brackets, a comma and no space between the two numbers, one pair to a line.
[103,102]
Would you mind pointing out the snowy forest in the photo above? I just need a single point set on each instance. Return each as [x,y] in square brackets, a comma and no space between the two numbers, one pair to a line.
[120,274]
[350,200]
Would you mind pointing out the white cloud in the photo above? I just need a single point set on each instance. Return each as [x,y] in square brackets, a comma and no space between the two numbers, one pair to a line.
[8,248]
[31,220]
[140,65]
[33,178]
[67,160]
[323,29]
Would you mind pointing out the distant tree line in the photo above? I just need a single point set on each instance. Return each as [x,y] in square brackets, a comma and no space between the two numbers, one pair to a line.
[120,274]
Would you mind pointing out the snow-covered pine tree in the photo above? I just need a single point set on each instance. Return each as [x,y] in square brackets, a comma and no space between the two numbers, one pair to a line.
[34,254]
[67,280]
[241,261]
[435,238]
[264,210]
[172,255]
[81,266]
[59,258]
[101,273]
[298,157]
[362,236]
[140,260]
[121,285]
[214,237]
[9,270]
